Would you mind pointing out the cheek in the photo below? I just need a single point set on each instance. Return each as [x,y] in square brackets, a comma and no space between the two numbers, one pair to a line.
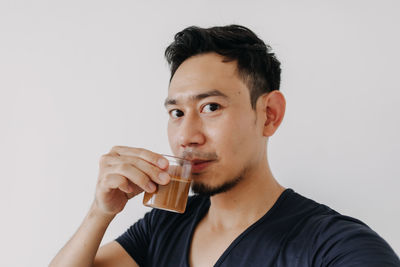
[173,144]
[245,141]
[232,136]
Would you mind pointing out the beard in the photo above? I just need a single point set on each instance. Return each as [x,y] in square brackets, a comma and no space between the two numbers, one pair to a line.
[204,189]
[207,190]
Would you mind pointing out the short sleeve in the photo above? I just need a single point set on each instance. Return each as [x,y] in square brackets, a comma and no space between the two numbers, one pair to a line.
[136,239]
[345,241]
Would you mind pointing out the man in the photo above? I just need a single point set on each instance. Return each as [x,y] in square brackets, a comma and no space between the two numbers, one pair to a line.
[224,103]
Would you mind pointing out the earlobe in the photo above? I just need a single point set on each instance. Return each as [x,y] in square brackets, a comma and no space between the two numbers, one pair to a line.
[274,105]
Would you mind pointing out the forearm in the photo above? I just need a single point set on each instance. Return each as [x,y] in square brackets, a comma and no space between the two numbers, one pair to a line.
[81,249]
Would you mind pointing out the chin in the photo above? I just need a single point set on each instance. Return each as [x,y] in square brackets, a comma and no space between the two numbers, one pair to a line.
[204,189]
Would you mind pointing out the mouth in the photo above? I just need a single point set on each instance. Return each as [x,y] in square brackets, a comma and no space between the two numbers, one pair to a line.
[199,165]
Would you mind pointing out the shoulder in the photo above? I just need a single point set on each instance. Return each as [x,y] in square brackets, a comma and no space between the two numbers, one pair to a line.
[340,240]
[298,208]
[334,239]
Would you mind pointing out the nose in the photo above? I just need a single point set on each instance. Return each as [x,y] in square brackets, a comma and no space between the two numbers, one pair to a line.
[190,132]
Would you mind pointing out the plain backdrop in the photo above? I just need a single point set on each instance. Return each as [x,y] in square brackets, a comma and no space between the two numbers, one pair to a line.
[78,77]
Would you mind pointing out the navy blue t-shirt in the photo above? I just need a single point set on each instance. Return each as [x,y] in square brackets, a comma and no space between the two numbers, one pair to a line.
[296,231]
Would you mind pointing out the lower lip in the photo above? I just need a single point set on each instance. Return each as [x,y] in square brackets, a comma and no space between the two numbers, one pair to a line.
[200,166]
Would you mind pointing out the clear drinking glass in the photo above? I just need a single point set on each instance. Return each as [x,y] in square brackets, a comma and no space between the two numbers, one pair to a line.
[172,196]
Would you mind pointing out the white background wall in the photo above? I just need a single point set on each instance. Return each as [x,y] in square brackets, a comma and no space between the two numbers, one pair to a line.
[77,77]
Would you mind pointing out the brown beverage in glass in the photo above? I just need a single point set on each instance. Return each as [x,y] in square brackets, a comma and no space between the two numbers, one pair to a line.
[172,196]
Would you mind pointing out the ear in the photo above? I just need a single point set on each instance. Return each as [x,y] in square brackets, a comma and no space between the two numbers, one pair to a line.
[273,108]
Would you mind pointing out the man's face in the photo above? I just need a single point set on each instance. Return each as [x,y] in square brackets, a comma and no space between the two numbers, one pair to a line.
[212,122]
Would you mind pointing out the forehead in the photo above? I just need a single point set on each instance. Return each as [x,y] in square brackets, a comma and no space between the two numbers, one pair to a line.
[203,73]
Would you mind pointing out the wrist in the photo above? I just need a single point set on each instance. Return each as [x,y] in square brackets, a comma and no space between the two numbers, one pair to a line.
[95,212]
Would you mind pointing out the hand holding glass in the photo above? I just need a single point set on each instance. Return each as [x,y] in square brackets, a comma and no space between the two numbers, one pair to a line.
[172,196]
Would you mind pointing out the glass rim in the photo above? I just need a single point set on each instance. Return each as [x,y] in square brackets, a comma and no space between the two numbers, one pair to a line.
[176,158]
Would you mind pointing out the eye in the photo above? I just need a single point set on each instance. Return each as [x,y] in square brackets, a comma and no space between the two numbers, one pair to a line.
[176,113]
[211,107]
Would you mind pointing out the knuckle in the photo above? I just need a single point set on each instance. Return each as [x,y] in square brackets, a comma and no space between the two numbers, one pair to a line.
[143,179]
[133,160]
[148,169]
[114,149]
[102,173]
[155,158]
[149,155]
[103,182]
[104,159]
[124,168]
[141,152]
[155,172]
[108,176]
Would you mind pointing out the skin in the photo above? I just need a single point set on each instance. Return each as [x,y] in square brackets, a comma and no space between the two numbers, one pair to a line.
[237,134]
[210,118]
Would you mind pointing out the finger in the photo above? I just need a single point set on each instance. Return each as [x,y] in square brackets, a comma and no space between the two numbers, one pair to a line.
[153,158]
[157,175]
[114,181]
[136,176]
[112,159]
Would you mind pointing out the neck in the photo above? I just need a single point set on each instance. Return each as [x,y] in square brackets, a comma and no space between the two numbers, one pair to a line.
[247,202]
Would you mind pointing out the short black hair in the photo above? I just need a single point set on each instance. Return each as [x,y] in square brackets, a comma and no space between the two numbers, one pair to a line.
[257,65]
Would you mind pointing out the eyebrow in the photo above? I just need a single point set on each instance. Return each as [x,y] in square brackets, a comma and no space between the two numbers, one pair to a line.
[171,101]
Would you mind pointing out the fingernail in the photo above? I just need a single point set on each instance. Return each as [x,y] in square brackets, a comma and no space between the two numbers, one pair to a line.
[164,177]
[151,187]
[162,163]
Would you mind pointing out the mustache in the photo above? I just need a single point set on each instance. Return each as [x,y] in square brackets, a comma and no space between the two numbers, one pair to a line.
[191,154]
